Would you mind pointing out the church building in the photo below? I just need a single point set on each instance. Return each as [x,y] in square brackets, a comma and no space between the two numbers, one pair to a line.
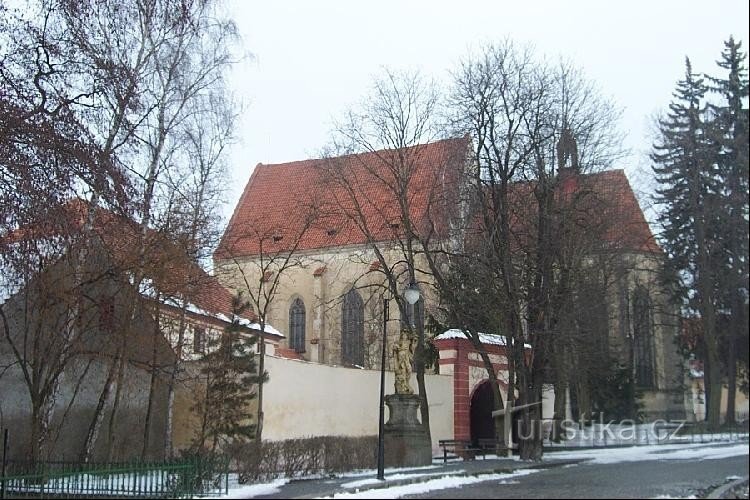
[293,230]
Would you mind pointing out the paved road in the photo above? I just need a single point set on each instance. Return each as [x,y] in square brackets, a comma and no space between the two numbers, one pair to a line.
[646,479]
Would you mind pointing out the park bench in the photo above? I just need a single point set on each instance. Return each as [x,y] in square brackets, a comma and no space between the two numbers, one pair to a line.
[467,449]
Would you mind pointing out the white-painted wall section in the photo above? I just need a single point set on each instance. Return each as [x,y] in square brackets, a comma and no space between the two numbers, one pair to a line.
[304,399]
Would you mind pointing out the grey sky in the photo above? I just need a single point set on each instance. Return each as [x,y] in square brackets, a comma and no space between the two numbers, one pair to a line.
[313,59]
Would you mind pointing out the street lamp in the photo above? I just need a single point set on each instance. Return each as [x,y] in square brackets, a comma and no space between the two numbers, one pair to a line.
[411,294]
[381,423]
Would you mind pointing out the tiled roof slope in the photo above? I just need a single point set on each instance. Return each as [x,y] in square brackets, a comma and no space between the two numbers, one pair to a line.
[166,267]
[304,204]
[600,207]
[627,228]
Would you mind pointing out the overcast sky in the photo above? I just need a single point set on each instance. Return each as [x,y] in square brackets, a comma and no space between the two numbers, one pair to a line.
[313,59]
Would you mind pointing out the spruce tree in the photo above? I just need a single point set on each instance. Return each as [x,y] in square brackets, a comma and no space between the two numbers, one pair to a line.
[685,169]
[231,375]
[729,129]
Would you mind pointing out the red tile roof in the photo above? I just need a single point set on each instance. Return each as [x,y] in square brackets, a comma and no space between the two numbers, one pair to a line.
[607,207]
[166,265]
[302,203]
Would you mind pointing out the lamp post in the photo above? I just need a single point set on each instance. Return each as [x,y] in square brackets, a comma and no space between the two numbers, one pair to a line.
[411,294]
[381,423]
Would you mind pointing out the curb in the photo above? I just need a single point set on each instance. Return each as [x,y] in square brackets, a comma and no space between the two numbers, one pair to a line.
[721,490]
[424,479]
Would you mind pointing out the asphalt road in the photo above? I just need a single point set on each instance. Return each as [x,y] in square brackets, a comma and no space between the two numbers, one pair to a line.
[646,479]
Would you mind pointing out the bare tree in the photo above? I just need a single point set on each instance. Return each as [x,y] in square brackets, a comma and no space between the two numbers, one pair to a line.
[48,156]
[195,191]
[517,110]
[152,60]
[377,169]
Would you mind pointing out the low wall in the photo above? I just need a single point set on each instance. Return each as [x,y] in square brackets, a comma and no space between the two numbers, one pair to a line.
[303,399]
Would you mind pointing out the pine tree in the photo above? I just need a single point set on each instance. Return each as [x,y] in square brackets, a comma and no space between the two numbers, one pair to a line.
[231,374]
[729,128]
[685,168]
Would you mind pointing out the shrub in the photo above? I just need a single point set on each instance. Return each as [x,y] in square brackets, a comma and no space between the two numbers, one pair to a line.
[302,457]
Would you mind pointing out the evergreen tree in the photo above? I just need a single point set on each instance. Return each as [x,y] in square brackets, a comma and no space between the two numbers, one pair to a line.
[729,129]
[686,171]
[231,375]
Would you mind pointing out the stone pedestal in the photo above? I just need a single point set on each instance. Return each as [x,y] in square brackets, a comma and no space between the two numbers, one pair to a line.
[406,442]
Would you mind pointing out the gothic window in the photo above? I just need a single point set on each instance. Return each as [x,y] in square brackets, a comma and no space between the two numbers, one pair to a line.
[199,340]
[643,339]
[297,325]
[353,329]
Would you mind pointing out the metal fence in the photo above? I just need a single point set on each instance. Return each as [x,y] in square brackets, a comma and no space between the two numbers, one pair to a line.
[170,479]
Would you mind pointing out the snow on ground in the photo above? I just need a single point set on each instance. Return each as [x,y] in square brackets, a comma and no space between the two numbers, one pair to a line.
[654,452]
[394,477]
[432,485]
[254,490]
[667,496]
[388,470]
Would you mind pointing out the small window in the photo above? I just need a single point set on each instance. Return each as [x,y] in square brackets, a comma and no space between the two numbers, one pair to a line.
[199,340]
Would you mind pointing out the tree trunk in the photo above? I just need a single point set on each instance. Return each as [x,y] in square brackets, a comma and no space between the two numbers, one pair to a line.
[424,408]
[261,370]
[152,385]
[561,399]
[168,444]
[115,408]
[735,329]
[149,407]
[98,418]
[583,397]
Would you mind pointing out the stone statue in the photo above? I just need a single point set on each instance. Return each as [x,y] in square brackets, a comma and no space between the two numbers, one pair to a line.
[403,353]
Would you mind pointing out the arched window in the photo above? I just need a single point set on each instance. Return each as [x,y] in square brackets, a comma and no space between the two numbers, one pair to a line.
[353,329]
[643,338]
[297,325]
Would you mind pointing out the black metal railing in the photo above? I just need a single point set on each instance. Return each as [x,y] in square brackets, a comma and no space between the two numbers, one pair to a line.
[186,477]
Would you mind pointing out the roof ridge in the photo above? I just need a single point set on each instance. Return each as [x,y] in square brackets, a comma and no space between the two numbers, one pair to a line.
[349,155]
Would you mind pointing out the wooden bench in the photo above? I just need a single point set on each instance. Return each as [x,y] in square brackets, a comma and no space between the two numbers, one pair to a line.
[467,450]
[458,447]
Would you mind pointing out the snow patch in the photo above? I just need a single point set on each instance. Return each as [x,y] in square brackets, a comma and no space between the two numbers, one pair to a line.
[393,477]
[433,484]
[254,490]
[655,452]
[485,338]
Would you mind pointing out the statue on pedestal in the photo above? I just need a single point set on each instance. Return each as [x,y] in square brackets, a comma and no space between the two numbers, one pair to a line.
[406,442]
[403,353]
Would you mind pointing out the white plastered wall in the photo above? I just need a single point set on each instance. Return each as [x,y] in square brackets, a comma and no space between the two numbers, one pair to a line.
[303,399]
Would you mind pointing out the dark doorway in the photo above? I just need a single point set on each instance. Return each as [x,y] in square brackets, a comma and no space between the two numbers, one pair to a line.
[480,413]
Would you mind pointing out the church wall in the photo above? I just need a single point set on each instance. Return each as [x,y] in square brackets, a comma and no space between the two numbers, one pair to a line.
[666,399]
[321,279]
[305,399]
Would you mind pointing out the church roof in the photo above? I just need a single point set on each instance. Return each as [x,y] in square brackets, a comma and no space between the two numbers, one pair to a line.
[601,205]
[305,205]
